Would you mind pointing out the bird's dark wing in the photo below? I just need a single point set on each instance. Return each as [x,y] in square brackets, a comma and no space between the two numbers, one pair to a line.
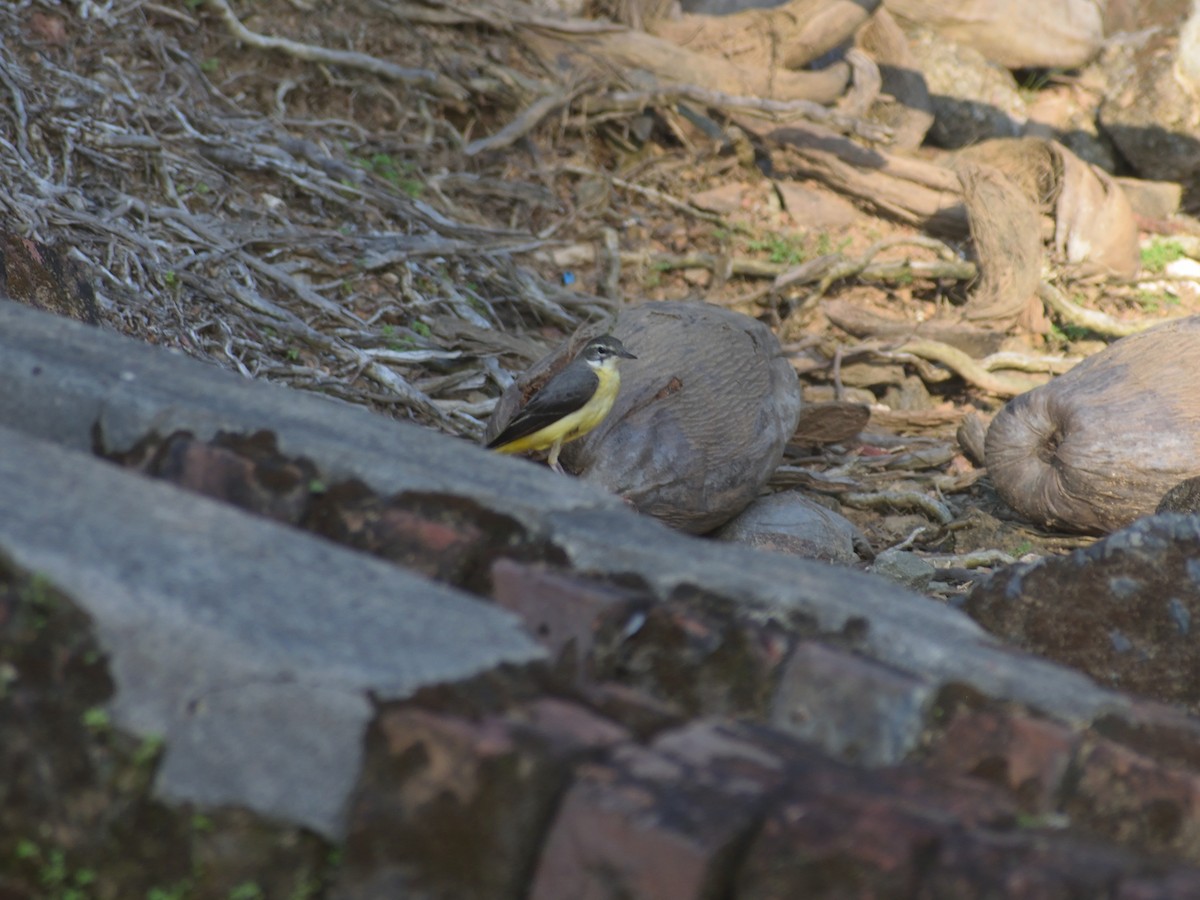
[562,395]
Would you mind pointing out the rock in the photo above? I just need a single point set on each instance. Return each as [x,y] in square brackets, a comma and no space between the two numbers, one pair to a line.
[857,710]
[788,522]
[904,568]
[973,99]
[1123,610]
[1183,498]
[1151,111]
[816,208]
[903,104]
[1098,447]
[1024,34]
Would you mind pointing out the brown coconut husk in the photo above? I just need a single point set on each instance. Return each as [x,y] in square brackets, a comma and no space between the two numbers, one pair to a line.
[1095,230]
[1008,246]
[702,418]
[1099,446]
[700,422]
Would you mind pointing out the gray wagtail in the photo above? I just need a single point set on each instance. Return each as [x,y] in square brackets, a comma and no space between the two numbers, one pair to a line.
[569,405]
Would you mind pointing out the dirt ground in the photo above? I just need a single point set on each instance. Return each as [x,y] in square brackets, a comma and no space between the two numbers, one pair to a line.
[399,204]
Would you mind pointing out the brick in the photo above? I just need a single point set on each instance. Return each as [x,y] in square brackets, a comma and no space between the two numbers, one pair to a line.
[436,536]
[562,611]
[663,822]
[1028,756]
[700,652]
[643,715]
[1135,800]
[1155,729]
[857,709]
[246,472]
[1023,865]
[455,808]
[836,831]
[1178,884]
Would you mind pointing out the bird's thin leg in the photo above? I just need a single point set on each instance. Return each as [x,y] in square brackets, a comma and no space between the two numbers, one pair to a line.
[553,460]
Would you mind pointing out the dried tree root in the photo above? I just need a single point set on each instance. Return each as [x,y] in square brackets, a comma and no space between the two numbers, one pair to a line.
[434,82]
[1097,322]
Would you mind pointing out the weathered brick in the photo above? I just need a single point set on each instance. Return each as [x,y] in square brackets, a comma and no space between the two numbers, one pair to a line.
[439,536]
[1162,732]
[1177,884]
[246,472]
[857,709]
[1026,755]
[836,831]
[562,611]
[1135,800]
[453,808]
[642,714]
[664,822]
[701,652]
[1022,865]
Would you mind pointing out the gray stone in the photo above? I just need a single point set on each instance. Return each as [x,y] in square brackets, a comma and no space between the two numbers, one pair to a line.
[1121,610]
[252,649]
[789,522]
[855,709]
[904,568]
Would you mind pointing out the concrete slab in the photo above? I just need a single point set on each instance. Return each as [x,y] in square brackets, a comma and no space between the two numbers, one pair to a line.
[253,649]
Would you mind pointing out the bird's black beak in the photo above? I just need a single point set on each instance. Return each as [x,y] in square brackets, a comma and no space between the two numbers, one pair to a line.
[625,353]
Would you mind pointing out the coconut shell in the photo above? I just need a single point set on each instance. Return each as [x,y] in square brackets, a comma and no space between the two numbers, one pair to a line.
[702,417]
[1098,447]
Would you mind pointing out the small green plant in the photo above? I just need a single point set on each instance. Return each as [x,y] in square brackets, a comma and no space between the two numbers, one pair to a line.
[180,891]
[1159,252]
[210,65]
[1022,548]
[1153,301]
[1066,333]
[247,890]
[58,880]
[38,591]
[825,245]
[305,889]
[421,328]
[148,751]
[97,720]
[781,250]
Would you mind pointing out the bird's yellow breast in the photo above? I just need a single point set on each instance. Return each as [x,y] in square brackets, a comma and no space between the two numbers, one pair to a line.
[576,424]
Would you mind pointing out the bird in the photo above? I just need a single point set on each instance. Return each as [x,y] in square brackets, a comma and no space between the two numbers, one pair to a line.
[569,405]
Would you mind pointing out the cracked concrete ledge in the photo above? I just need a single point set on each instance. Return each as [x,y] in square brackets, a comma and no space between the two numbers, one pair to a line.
[66,382]
[253,649]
